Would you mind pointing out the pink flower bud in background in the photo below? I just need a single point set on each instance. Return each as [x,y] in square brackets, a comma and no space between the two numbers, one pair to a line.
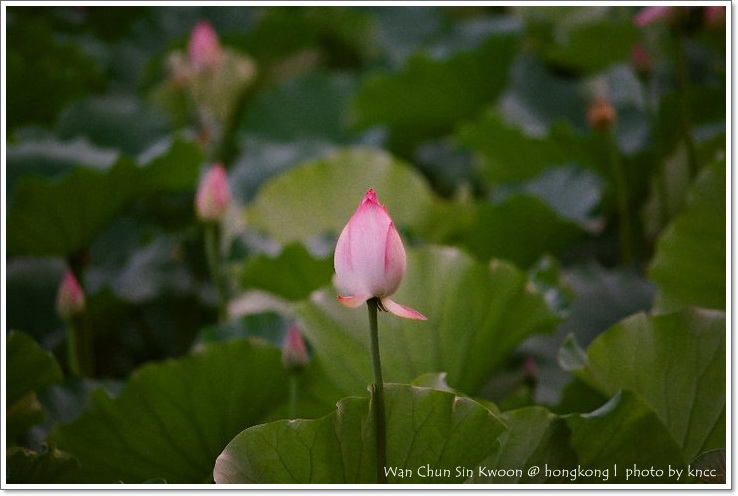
[70,299]
[204,48]
[213,195]
[649,15]
[601,114]
[294,351]
[641,60]
[531,368]
[715,16]
[370,260]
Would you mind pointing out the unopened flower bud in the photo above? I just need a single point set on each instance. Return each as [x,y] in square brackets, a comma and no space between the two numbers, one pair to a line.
[70,299]
[715,16]
[294,351]
[213,195]
[650,15]
[641,61]
[370,259]
[601,114]
[204,48]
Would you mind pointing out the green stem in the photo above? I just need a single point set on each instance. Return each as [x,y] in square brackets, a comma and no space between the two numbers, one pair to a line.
[72,349]
[683,93]
[80,354]
[213,255]
[621,193]
[661,185]
[378,393]
[293,395]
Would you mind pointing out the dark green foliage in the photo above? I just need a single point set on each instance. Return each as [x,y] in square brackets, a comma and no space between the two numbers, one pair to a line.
[548,356]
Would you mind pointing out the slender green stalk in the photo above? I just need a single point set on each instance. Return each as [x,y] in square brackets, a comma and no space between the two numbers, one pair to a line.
[213,255]
[72,349]
[378,393]
[293,394]
[621,193]
[680,56]
[661,185]
[80,353]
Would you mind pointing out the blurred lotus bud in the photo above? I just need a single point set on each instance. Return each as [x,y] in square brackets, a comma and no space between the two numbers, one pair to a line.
[204,48]
[70,299]
[715,16]
[531,368]
[641,61]
[294,351]
[650,15]
[601,114]
[213,195]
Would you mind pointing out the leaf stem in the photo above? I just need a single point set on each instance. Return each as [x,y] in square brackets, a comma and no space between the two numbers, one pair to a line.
[293,395]
[212,242]
[621,193]
[378,393]
[80,354]
[660,175]
[72,349]
[683,93]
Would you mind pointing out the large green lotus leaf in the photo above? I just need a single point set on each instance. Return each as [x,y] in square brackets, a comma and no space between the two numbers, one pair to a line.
[49,157]
[269,326]
[424,427]
[106,122]
[428,97]
[582,47]
[508,153]
[675,363]
[286,40]
[319,196]
[261,160]
[45,70]
[174,418]
[293,274]
[52,466]
[477,314]
[311,107]
[59,217]
[29,367]
[537,98]
[534,437]
[621,435]
[520,229]
[689,265]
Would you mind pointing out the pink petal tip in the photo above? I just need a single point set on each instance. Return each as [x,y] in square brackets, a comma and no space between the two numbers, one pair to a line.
[402,310]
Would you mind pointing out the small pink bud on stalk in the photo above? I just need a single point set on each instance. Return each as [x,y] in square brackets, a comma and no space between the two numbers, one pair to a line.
[641,61]
[70,299]
[601,114]
[294,351]
[715,16]
[370,260]
[213,195]
[650,15]
[204,47]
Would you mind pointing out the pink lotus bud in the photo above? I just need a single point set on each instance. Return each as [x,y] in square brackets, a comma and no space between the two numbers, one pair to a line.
[70,299]
[601,114]
[370,259]
[641,60]
[715,16]
[204,48]
[531,368]
[294,351]
[213,195]
[649,15]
